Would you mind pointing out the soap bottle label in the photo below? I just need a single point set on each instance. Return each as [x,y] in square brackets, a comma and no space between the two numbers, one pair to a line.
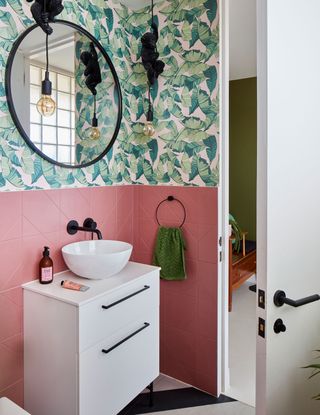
[46,274]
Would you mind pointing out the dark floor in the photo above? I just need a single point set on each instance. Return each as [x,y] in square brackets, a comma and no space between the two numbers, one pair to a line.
[171,399]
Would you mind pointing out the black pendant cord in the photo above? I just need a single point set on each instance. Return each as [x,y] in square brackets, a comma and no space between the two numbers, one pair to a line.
[94,119]
[47,52]
[150,107]
[152,13]
[46,84]
[45,16]
[149,97]
[94,106]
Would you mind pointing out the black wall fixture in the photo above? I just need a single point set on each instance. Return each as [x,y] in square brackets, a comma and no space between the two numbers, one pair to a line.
[150,55]
[92,71]
[45,11]
[153,66]
[93,78]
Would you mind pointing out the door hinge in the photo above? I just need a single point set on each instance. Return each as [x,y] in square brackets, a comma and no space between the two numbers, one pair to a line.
[220,241]
[220,256]
[262,299]
[262,328]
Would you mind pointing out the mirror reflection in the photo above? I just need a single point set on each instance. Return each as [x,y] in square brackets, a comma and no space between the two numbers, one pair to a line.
[66,100]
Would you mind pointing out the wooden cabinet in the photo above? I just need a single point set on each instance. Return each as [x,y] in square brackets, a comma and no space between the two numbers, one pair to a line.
[91,353]
[241,267]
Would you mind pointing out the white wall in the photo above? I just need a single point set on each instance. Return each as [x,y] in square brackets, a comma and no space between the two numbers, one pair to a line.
[243,39]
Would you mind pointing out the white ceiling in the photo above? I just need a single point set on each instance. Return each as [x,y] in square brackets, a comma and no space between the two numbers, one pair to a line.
[243,39]
[61,47]
[61,58]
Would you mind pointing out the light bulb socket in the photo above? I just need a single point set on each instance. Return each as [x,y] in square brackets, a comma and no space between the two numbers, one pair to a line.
[45,17]
[46,88]
[94,121]
[150,115]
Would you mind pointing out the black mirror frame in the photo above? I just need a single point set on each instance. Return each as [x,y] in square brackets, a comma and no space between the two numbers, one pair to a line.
[15,117]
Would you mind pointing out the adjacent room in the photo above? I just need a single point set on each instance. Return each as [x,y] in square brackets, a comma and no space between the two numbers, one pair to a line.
[243,195]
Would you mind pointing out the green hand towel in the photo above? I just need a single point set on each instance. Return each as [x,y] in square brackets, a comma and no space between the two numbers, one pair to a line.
[169,254]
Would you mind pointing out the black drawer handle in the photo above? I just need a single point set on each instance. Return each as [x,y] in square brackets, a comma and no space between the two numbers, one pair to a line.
[106,351]
[106,307]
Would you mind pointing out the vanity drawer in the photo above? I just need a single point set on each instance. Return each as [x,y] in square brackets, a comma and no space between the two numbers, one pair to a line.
[116,370]
[107,315]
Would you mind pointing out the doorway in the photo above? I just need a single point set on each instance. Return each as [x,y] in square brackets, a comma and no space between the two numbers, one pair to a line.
[238,194]
[242,246]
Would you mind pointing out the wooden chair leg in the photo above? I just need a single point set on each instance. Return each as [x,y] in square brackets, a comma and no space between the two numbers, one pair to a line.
[230,275]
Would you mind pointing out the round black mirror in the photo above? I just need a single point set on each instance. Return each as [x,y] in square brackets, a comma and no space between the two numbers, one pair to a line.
[73,120]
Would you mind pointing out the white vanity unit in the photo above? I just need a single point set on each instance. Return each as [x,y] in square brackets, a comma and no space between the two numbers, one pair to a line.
[91,353]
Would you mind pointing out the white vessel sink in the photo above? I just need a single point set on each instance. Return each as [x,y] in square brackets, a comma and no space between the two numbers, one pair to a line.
[97,259]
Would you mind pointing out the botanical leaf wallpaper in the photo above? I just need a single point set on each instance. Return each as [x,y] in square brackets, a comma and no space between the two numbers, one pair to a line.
[184,150]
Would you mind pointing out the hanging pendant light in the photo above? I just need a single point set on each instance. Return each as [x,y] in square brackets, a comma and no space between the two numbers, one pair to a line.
[153,66]
[93,78]
[149,129]
[95,132]
[46,106]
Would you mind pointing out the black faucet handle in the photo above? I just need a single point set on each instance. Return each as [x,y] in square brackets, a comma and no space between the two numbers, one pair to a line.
[90,224]
[72,227]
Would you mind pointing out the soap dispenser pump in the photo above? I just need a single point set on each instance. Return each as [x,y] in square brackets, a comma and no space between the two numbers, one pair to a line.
[46,267]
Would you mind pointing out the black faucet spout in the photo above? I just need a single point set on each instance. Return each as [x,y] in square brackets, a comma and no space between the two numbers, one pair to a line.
[98,233]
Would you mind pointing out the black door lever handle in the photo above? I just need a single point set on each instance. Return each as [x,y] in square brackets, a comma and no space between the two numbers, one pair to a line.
[280,299]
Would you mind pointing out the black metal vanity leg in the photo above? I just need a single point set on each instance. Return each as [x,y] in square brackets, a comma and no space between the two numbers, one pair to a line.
[150,387]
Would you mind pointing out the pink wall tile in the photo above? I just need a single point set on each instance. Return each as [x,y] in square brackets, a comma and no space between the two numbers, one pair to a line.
[179,358]
[125,213]
[11,215]
[207,243]
[104,210]
[14,392]
[181,310]
[11,254]
[187,287]
[30,220]
[206,364]
[188,308]
[11,314]
[11,360]
[35,202]
[74,204]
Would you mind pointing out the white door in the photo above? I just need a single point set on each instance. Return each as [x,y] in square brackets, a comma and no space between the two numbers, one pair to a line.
[288,202]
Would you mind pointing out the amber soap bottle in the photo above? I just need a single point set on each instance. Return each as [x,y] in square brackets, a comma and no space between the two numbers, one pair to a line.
[46,268]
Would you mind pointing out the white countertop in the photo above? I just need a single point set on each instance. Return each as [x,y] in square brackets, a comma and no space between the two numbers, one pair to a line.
[130,273]
[9,408]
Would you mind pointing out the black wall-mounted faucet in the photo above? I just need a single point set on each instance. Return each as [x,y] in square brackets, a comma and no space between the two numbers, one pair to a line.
[89,225]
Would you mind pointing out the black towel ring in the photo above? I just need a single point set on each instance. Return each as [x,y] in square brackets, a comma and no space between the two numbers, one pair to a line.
[170,199]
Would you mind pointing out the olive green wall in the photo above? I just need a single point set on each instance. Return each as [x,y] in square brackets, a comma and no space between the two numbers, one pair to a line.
[243,153]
